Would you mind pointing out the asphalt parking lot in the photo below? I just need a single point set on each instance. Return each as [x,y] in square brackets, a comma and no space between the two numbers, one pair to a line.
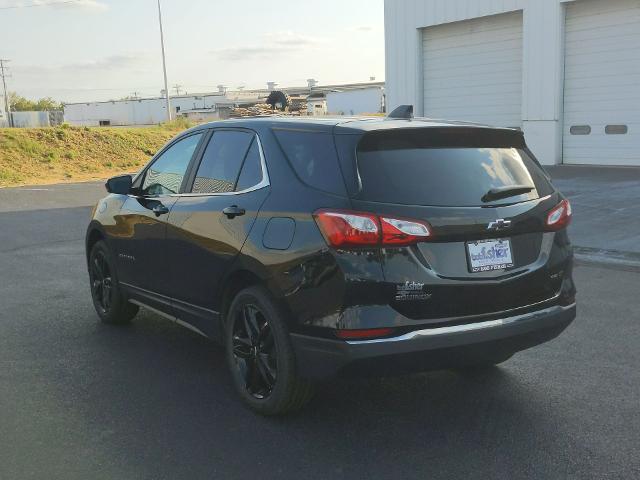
[606,207]
[153,401]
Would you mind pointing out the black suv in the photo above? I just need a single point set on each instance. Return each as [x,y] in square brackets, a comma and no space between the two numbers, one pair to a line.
[316,247]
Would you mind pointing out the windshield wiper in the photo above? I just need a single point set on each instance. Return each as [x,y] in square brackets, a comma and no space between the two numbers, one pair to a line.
[505,192]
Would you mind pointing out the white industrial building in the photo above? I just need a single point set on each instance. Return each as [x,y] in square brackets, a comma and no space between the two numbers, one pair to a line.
[356,101]
[317,104]
[144,111]
[565,71]
[347,99]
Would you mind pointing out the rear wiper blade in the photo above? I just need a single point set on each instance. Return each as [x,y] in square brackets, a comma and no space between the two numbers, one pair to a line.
[505,192]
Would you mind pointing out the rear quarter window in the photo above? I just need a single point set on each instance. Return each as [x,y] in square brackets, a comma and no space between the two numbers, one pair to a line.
[313,157]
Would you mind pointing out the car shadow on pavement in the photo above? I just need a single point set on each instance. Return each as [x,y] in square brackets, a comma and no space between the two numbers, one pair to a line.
[164,393]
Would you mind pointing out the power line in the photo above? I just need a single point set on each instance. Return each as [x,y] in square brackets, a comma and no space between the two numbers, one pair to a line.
[32,5]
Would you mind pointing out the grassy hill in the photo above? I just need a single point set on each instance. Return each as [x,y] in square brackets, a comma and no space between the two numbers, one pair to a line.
[30,156]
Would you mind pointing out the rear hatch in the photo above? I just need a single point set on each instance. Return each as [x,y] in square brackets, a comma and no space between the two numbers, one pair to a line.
[486,199]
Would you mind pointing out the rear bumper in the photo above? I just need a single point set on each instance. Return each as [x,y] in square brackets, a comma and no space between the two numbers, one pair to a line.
[432,348]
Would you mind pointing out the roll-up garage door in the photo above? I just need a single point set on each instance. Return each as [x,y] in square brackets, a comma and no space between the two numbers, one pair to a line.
[473,70]
[602,83]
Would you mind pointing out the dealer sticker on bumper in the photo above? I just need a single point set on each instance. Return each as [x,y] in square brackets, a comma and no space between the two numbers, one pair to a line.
[488,255]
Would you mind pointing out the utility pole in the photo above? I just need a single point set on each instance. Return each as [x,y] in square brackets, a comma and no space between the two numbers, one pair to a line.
[134,95]
[4,75]
[177,88]
[164,65]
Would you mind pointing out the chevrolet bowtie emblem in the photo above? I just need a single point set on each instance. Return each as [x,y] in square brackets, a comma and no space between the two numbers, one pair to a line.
[500,224]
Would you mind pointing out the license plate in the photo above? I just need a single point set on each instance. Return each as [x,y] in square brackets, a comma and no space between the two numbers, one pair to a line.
[489,255]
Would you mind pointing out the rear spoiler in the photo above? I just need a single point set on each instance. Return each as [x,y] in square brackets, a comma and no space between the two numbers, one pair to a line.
[442,137]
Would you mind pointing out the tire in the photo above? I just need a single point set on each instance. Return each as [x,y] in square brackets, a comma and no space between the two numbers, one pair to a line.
[278,100]
[260,356]
[111,305]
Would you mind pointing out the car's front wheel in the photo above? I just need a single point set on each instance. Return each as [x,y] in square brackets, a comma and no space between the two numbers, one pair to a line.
[260,355]
[108,299]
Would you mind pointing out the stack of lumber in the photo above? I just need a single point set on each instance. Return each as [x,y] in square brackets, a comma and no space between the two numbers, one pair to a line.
[298,105]
[260,109]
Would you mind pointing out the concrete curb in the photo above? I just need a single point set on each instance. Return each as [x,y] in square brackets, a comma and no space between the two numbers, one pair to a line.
[629,261]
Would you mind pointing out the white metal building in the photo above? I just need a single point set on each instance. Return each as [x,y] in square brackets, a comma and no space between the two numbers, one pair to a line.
[146,111]
[356,101]
[317,104]
[565,71]
[347,99]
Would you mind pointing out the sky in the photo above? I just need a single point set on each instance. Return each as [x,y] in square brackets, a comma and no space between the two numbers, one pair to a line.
[87,50]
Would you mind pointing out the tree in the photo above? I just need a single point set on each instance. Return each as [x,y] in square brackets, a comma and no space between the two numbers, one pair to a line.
[19,103]
[48,104]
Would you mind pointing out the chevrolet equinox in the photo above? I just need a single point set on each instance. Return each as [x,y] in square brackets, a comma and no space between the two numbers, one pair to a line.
[318,247]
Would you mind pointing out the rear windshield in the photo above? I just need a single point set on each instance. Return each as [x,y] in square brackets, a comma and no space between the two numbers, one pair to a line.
[406,172]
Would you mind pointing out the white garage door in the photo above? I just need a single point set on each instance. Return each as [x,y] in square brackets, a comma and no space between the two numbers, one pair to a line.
[473,70]
[602,83]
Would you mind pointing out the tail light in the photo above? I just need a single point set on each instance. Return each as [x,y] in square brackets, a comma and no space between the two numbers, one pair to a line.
[348,229]
[398,231]
[342,228]
[559,217]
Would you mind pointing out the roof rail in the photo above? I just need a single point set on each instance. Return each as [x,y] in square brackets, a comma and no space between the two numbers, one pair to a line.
[403,112]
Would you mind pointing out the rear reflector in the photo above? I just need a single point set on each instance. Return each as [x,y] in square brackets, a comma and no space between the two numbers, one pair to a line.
[363,334]
[559,217]
[343,228]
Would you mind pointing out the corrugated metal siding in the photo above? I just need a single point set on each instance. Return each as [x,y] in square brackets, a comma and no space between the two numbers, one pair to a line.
[602,81]
[425,13]
[30,119]
[543,60]
[400,60]
[473,70]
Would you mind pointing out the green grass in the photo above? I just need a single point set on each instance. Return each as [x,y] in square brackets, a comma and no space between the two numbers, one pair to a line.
[50,155]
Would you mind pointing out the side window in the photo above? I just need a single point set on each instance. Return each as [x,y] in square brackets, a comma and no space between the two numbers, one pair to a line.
[165,175]
[313,157]
[222,161]
[251,173]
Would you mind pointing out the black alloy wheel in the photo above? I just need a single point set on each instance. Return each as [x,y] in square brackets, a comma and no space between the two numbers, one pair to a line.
[254,351]
[101,282]
[109,301]
[260,354]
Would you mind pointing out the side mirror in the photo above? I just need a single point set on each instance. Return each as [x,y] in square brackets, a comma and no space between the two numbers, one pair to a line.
[120,185]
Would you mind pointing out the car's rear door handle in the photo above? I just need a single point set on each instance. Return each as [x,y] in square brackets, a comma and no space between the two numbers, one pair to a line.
[234,211]
[160,209]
